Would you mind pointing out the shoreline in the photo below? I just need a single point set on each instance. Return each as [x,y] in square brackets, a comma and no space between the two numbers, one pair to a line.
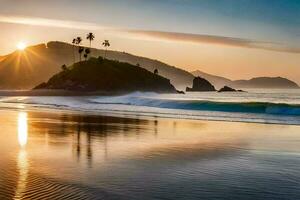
[128,114]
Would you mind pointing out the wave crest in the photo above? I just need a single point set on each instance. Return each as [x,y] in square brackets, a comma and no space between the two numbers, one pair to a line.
[154,100]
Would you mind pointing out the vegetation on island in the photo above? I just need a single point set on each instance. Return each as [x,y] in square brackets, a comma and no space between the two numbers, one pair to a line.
[90,37]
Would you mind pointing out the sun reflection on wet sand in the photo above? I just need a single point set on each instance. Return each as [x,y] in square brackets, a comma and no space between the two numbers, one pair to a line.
[22,156]
[22,129]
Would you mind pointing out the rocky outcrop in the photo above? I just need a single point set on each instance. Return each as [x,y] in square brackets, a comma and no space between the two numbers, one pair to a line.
[229,89]
[201,85]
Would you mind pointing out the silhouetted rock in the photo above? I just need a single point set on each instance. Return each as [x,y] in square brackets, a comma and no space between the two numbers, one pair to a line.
[201,85]
[180,92]
[229,89]
[99,74]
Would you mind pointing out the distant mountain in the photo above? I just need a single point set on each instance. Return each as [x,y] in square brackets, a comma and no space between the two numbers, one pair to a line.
[259,82]
[98,74]
[26,69]
[265,82]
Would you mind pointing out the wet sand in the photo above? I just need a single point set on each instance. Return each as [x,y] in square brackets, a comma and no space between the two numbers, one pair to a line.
[65,155]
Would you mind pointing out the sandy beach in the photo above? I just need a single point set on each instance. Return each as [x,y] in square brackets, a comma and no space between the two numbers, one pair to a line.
[74,155]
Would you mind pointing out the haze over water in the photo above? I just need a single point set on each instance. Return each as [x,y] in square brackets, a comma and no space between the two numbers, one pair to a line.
[60,155]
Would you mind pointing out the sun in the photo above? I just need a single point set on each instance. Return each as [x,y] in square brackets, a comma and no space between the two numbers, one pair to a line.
[21,46]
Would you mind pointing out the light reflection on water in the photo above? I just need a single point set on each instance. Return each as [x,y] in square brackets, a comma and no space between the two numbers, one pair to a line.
[22,162]
[22,128]
[151,158]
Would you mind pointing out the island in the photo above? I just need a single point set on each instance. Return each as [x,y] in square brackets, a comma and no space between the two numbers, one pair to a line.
[229,89]
[201,85]
[98,74]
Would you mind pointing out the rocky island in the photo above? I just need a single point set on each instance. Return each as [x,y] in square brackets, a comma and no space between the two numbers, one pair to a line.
[98,74]
[201,85]
[229,89]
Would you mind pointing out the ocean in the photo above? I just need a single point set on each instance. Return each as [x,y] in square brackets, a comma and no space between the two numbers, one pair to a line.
[279,106]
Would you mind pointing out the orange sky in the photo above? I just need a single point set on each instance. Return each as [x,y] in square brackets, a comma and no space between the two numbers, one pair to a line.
[229,57]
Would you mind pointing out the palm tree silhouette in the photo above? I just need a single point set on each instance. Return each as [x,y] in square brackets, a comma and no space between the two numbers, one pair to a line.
[80,51]
[78,40]
[87,52]
[106,44]
[90,37]
[73,44]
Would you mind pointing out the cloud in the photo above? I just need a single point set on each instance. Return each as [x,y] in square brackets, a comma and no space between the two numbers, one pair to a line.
[35,21]
[212,39]
[148,34]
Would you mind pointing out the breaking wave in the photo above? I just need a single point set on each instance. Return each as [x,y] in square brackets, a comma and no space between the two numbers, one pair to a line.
[154,100]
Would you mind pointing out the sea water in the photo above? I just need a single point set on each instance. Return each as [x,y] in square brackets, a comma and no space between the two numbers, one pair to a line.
[281,106]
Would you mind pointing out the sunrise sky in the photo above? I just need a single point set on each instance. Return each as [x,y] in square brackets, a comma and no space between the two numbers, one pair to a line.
[233,38]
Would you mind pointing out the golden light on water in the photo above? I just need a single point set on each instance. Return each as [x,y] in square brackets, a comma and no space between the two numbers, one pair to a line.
[22,129]
[23,165]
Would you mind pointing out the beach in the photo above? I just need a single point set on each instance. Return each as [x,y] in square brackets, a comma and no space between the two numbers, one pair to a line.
[150,100]
[63,154]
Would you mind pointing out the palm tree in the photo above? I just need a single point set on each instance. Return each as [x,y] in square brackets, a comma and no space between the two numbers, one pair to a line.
[78,40]
[73,43]
[87,52]
[80,51]
[106,44]
[90,37]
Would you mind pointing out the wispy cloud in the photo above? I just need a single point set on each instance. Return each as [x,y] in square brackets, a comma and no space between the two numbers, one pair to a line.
[212,39]
[155,35]
[35,21]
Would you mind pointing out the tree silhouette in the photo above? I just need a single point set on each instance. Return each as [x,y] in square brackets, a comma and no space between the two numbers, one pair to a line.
[64,67]
[80,51]
[156,71]
[106,44]
[90,37]
[87,52]
[78,40]
[85,56]
[73,44]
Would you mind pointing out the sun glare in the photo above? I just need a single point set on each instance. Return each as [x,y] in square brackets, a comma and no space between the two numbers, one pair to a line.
[21,46]
[22,129]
